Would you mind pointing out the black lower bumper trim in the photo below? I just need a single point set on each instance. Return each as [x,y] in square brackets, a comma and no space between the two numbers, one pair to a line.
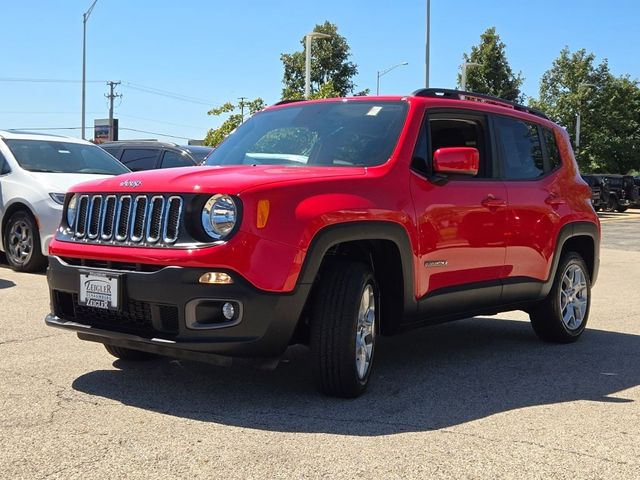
[154,311]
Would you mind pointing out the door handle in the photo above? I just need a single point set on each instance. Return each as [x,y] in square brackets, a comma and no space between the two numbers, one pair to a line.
[493,202]
[554,200]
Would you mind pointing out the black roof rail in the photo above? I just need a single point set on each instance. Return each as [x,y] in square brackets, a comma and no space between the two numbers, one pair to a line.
[284,102]
[478,97]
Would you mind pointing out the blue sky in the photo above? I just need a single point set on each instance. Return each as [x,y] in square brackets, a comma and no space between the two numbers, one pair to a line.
[212,51]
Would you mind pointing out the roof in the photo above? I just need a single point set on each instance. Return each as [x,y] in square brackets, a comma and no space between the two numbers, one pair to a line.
[21,135]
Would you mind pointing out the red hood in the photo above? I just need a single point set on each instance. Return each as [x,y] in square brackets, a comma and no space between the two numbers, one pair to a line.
[228,179]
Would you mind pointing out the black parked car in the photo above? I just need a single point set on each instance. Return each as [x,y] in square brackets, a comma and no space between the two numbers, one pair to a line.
[623,193]
[149,155]
[599,191]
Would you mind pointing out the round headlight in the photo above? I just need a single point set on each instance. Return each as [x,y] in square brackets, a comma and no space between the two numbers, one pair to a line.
[219,216]
[72,210]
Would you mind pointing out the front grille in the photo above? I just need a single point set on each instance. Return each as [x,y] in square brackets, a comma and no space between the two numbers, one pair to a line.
[143,220]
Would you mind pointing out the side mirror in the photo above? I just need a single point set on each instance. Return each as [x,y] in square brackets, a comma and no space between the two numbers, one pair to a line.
[459,160]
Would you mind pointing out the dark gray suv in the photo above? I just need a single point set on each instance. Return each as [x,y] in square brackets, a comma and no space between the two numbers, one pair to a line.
[150,154]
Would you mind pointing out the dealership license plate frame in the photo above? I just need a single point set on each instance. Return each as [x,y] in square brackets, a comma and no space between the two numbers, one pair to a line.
[100,290]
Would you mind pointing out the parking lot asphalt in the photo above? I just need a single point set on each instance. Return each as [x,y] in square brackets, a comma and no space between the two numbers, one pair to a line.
[479,398]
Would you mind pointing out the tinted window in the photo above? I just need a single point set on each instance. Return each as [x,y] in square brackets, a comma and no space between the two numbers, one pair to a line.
[456,130]
[111,151]
[520,147]
[139,158]
[198,152]
[56,156]
[552,149]
[174,159]
[334,133]
[4,166]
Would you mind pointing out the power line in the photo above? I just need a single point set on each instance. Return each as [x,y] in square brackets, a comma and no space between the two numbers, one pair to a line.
[120,114]
[133,86]
[166,93]
[42,129]
[44,80]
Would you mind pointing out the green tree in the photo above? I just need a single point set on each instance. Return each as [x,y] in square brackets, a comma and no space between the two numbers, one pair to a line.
[331,71]
[237,113]
[493,75]
[608,107]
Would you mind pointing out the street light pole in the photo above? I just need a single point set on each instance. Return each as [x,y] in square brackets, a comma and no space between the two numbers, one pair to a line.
[426,82]
[384,72]
[579,117]
[463,82]
[85,17]
[307,60]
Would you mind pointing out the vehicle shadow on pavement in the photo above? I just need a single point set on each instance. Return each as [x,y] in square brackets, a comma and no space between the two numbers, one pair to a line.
[430,379]
[6,284]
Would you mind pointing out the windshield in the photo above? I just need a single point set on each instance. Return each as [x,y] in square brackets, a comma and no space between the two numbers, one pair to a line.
[337,133]
[55,156]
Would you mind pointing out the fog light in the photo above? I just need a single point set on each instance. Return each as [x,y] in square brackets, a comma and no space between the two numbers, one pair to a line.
[217,278]
[228,311]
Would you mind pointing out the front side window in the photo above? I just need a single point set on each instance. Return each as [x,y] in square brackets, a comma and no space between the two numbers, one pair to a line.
[4,166]
[446,130]
[55,156]
[521,150]
[174,159]
[330,133]
[139,158]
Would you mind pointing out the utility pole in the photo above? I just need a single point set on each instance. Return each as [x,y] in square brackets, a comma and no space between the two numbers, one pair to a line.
[241,104]
[85,17]
[111,96]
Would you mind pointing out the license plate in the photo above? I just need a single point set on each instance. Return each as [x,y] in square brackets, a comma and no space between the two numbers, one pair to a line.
[99,290]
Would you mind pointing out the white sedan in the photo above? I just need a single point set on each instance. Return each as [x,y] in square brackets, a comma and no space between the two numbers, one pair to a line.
[35,172]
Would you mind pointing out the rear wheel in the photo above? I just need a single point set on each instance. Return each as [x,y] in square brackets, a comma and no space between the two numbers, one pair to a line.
[343,328]
[563,315]
[128,353]
[22,243]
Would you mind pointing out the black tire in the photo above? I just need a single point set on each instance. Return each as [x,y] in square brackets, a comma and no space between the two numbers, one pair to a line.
[547,317]
[621,209]
[127,353]
[22,243]
[334,327]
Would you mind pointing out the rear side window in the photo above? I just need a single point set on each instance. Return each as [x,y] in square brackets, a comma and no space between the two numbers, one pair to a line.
[552,149]
[139,158]
[174,159]
[520,147]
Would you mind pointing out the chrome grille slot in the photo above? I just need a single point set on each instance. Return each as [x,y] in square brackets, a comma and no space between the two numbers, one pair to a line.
[172,219]
[94,217]
[81,220]
[108,218]
[154,225]
[142,220]
[138,218]
[122,218]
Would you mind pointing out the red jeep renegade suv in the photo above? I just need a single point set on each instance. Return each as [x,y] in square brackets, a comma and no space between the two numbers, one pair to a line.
[329,223]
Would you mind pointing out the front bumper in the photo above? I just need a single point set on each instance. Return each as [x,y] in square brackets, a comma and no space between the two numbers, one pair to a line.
[158,305]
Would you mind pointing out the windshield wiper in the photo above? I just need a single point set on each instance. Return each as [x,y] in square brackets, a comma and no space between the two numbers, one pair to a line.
[44,170]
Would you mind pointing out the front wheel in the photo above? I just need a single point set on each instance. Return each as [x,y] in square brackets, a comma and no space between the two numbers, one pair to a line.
[344,320]
[22,243]
[621,208]
[563,315]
